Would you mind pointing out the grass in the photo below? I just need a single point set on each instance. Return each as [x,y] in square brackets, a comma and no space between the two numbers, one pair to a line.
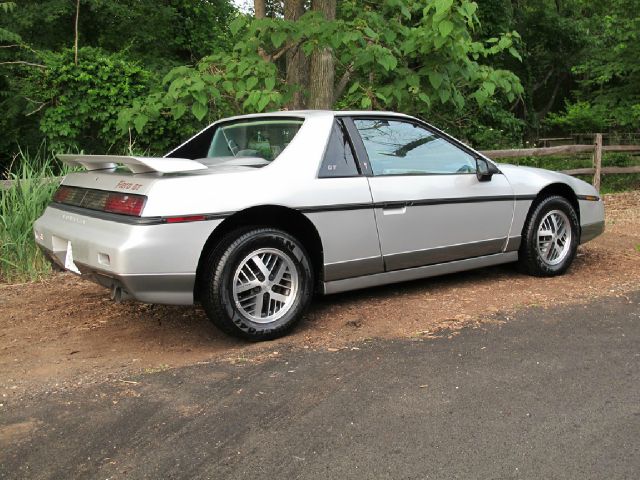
[20,206]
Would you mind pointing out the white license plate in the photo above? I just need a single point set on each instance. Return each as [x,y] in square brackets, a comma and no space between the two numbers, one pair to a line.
[68,260]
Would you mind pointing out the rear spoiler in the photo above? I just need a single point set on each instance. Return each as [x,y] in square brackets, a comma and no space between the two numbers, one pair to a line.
[134,164]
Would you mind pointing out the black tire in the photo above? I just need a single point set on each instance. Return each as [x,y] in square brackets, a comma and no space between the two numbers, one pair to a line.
[530,260]
[218,282]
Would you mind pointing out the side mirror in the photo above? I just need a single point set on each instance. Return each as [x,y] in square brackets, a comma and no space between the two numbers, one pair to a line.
[484,170]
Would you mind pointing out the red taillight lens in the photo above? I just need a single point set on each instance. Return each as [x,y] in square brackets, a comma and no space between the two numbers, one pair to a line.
[124,204]
[101,200]
[61,194]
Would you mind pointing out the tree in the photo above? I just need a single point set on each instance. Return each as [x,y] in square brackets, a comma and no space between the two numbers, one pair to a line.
[607,71]
[138,40]
[297,63]
[160,34]
[322,69]
[259,8]
[552,37]
[395,54]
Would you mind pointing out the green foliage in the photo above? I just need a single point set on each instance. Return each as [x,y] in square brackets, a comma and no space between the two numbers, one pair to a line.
[135,43]
[7,6]
[152,73]
[411,57]
[160,35]
[489,127]
[20,206]
[552,39]
[190,97]
[7,35]
[400,55]
[83,101]
[581,117]
[609,70]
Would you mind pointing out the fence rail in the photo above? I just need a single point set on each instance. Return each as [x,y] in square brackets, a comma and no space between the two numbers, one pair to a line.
[597,148]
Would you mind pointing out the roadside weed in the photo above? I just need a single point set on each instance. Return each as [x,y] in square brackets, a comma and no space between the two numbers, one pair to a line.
[20,205]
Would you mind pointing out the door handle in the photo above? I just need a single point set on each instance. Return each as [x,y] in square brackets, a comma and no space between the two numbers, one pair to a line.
[394,208]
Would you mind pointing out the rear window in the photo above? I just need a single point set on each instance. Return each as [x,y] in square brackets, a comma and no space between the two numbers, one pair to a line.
[258,140]
[263,139]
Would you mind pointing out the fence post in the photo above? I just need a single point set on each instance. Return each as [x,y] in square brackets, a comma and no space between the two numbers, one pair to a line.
[597,162]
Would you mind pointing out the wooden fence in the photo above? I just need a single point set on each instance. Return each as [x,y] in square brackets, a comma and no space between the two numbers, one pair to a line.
[597,170]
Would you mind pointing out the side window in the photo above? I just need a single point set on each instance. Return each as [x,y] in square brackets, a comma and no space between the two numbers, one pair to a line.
[403,148]
[339,160]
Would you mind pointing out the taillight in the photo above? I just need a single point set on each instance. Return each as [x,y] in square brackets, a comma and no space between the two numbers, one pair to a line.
[61,194]
[101,200]
[125,204]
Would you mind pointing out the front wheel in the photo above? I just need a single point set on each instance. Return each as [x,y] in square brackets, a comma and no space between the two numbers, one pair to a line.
[550,238]
[258,283]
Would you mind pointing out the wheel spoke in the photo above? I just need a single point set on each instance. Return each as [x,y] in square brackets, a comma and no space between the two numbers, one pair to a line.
[278,297]
[550,251]
[281,270]
[257,261]
[563,232]
[257,309]
[247,286]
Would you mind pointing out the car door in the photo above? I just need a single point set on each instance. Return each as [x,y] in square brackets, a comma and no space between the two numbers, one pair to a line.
[430,206]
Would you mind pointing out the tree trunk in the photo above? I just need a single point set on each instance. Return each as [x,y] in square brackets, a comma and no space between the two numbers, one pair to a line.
[75,43]
[297,62]
[322,70]
[260,8]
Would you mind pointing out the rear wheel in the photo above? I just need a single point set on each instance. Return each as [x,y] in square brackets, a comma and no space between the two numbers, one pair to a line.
[257,283]
[550,238]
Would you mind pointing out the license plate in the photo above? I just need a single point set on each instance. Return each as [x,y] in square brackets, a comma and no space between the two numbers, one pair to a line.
[68,260]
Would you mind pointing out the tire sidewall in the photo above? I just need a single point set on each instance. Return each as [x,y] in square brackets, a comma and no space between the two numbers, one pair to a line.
[249,243]
[546,206]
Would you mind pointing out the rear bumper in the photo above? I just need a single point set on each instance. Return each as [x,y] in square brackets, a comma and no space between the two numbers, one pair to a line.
[171,289]
[149,263]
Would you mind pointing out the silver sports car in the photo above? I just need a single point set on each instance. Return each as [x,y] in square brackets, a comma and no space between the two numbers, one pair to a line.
[256,213]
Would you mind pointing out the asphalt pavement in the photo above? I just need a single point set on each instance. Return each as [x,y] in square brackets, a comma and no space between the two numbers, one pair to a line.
[548,394]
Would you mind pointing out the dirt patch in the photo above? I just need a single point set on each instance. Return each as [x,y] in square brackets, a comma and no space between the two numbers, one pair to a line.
[17,432]
[65,332]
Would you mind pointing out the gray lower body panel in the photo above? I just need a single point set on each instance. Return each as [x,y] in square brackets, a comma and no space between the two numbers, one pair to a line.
[432,256]
[168,289]
[419,272]
[591,231]
[513,244]
[353,268]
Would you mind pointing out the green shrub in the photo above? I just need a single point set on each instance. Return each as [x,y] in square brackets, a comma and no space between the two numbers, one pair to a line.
[83,101]
[581,117]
